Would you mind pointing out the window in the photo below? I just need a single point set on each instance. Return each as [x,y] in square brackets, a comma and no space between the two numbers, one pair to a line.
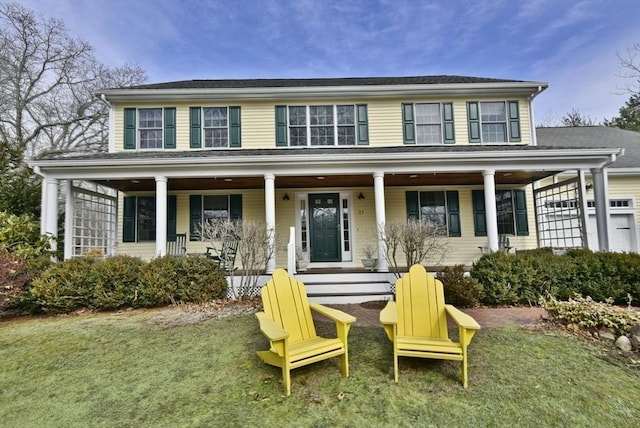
[150,128]
[494,121]
[321,125]
[139,220]
[212,207]
[511,212]
[428,123]
[439,208]
[214,127]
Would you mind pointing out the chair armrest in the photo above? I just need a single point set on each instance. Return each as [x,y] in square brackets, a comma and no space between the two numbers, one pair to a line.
[269,328]
[389,315]
[463,320]
[333,314]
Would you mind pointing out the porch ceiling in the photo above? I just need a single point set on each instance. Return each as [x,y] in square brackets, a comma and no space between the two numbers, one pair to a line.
[318,181]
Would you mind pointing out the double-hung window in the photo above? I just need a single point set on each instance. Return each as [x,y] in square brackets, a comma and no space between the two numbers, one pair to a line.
[511,212]
[209,208]
[150,128]
[214,127]
[428,123]
[494,122]
[438,208]
[139,219]
[321,125]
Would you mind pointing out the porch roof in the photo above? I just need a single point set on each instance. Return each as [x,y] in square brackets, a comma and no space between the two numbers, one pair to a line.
[325,167]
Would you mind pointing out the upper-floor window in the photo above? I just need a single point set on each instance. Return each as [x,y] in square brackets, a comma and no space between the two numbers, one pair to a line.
[428,123]
[438,208]
[494,121]
[321,125]
[214,127]
[150,128]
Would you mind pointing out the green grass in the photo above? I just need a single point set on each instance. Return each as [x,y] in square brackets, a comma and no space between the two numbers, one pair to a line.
[121,370]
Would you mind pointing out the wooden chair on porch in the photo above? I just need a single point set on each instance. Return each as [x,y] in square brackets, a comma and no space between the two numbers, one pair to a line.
[416,322]
[288,324]
[226,257]
[178,247]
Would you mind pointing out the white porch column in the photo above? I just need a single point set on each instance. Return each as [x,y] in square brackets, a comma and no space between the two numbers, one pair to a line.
[490,208]
[43,207]
[584,208]
[601,199]
[51,210]
[270,217]
[381,220]
[69,214]
[161,216]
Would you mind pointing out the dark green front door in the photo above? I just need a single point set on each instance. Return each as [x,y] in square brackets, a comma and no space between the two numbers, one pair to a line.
[324,226]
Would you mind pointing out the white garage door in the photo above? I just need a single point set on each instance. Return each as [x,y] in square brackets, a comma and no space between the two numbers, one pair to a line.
[620,233]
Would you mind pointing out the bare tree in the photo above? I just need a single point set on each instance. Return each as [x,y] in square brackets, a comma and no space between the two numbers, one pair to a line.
[47,85]
[417,240]
[630,62]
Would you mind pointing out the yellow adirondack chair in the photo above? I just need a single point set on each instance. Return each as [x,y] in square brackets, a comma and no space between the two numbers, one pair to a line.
[416,322]
[288,324]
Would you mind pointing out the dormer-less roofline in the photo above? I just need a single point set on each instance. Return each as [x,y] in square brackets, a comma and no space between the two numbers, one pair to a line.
[323,88]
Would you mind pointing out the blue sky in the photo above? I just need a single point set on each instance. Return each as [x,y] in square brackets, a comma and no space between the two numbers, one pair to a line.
[571,44]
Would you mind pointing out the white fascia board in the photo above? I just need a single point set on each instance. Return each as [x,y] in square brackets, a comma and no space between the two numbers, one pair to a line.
[358,91]
[312,164]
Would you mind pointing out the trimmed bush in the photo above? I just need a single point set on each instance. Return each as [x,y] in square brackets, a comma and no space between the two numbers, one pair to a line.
[116,281]
[459,290]
[523,277]
[169,280]
[66,286]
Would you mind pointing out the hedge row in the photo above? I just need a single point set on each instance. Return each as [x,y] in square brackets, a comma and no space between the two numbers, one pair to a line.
[124,281]
[527,275]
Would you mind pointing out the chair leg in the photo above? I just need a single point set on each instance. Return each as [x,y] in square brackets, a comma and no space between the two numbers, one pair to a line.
[464,368]
[286,380]
[395,364]
[344,364]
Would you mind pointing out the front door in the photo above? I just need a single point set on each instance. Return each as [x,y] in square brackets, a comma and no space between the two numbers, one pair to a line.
[324,225]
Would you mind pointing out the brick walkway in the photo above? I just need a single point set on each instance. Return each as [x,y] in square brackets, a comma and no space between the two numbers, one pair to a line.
[369,315]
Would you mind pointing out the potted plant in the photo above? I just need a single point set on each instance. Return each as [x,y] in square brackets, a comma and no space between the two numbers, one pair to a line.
[369,261]
[302,260]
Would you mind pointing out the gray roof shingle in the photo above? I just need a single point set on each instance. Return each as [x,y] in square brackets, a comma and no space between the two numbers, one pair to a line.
[318,82]
[595,136]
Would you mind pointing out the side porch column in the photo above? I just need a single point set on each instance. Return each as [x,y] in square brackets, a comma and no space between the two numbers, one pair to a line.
[490,209]
[161,216]
[43,207]
[584,208]
[381,220]
[601,199]
[51,211]
[270,218]
[69,214]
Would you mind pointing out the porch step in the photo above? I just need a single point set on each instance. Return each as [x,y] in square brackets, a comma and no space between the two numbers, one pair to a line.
[344,288]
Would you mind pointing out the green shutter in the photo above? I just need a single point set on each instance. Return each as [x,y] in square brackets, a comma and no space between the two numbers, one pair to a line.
[235,207]
[520,203]
[195,216]
[514,122]
[363,125]
[479,213]
[408,124]
[281,126]
[234,127]
[453,213]
[474,122]
[130,128]
[447,116]
[170,128]
[195,130]
[172,211]
[129,219]
[413,210]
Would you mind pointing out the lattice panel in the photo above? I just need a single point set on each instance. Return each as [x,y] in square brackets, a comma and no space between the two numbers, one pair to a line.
[560,216]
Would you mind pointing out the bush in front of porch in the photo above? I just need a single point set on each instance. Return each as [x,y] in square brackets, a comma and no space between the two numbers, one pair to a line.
[524,277]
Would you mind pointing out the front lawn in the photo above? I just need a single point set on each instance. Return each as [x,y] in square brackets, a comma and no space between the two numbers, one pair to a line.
[131,369]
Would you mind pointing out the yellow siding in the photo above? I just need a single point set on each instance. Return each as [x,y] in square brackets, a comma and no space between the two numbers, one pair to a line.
[258,119]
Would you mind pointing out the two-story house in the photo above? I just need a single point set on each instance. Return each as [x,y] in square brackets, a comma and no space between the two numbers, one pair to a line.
[333,157]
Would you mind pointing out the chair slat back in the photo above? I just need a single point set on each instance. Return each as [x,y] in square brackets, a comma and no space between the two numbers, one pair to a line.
[420,302]
[285,301]
[177,247]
